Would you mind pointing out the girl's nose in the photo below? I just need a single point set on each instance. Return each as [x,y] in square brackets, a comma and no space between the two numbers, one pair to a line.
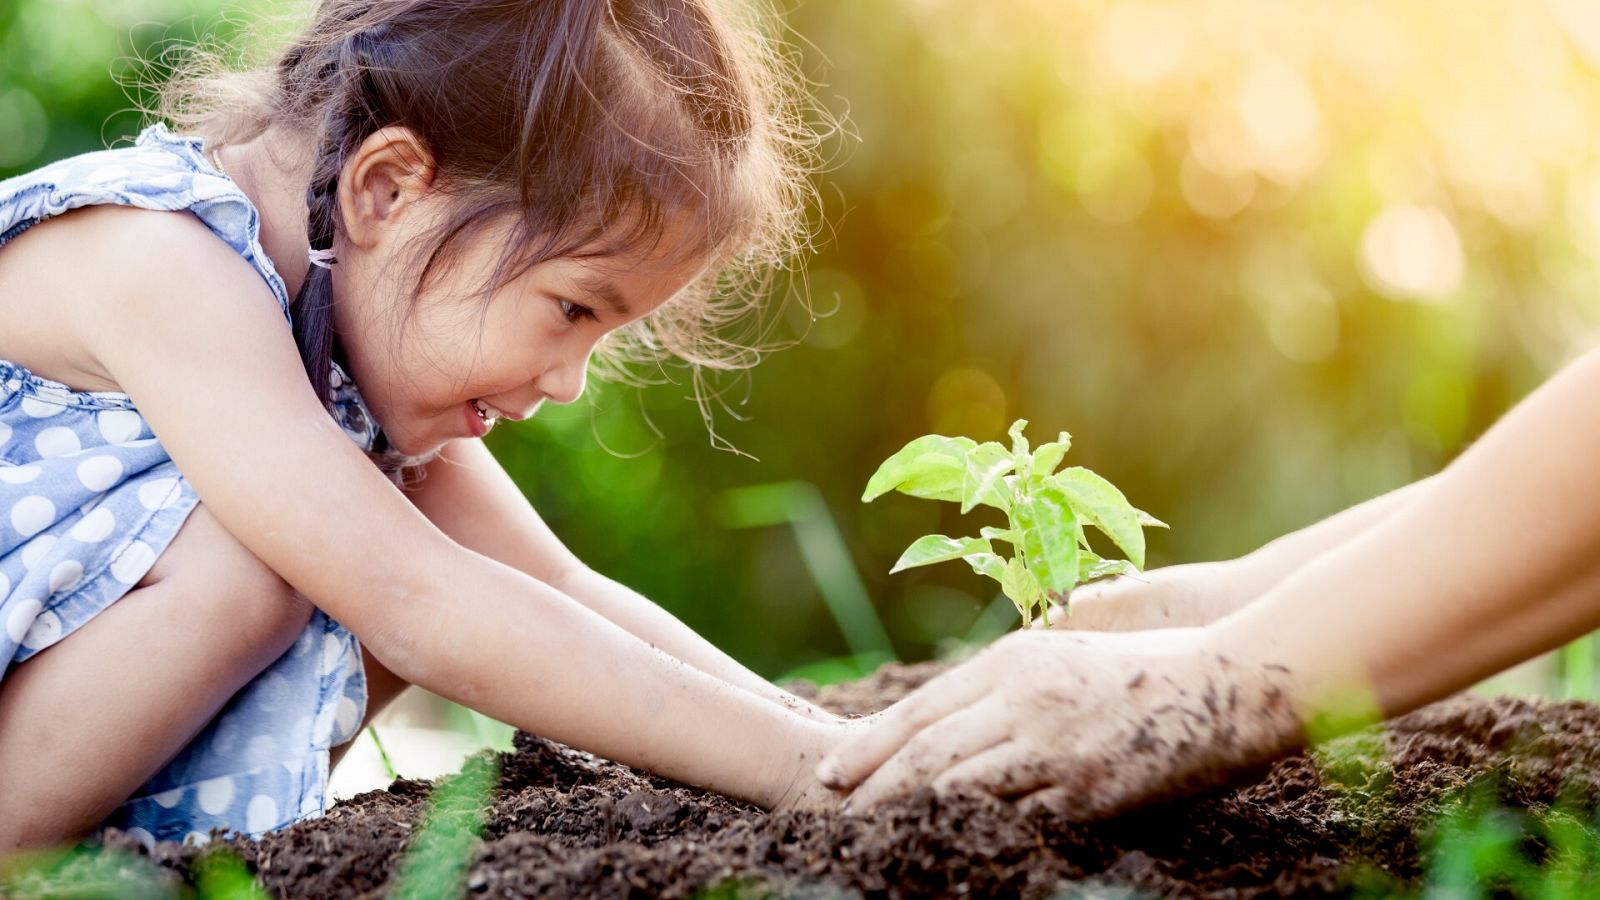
[564,383]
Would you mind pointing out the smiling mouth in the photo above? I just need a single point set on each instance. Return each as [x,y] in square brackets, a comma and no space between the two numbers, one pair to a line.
[488,415]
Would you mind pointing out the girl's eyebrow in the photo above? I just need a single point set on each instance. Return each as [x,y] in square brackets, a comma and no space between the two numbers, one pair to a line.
[603,288]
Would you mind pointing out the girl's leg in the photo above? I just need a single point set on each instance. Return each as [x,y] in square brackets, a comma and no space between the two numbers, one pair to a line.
[84,723]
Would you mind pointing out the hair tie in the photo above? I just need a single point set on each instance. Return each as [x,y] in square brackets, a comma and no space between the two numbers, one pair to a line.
[323,258]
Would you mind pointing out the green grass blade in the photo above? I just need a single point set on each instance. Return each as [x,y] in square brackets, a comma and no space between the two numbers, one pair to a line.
[435,864]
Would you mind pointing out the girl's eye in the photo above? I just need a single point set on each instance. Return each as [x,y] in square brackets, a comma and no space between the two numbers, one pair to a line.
[576,311]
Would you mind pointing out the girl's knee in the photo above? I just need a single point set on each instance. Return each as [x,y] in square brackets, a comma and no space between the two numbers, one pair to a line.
[227,588]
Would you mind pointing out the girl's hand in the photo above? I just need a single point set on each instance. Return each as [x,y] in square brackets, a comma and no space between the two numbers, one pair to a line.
[1171,597]
[805,792]
[1086,725]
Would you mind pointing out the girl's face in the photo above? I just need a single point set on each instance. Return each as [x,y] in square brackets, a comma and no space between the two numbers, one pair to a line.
[426,364]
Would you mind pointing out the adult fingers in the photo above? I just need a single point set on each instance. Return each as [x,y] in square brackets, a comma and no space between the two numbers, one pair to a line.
[1004,770]
[860,755]
[948,742]
[1081,804]
[1056,799]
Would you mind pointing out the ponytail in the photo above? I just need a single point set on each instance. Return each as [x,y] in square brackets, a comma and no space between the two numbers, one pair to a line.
[352,113]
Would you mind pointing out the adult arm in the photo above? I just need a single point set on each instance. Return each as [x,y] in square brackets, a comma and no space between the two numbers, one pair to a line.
[194,337]
[1497,561]
[1191,594]
[468,495]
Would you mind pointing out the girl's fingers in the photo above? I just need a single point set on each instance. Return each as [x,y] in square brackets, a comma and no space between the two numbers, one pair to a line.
[948,742]
[860,755]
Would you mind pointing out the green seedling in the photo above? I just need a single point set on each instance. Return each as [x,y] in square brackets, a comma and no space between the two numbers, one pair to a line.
[1046,511]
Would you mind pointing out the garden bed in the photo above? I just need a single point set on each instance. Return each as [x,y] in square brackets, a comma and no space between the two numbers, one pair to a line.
[564,824]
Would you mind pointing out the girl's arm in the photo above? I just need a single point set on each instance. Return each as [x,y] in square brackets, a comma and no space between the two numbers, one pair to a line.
[1199,593]
[1497,561]
[192,334]
[471,498]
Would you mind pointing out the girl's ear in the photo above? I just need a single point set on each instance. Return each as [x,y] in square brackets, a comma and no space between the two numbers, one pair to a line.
[388,173]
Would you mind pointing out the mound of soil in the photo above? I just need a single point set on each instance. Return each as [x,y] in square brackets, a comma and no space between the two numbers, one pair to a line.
[566,824]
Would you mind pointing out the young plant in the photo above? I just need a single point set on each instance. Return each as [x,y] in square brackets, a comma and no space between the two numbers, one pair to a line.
[1046,509]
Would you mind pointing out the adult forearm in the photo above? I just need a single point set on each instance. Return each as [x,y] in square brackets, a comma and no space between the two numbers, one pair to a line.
[1497,561]
[524,653]
[1194,594]
[1258,572]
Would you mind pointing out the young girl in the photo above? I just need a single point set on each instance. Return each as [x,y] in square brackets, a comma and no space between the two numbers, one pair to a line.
[450,204]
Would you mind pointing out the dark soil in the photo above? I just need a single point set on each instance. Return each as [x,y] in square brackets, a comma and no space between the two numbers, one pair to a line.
[565,824]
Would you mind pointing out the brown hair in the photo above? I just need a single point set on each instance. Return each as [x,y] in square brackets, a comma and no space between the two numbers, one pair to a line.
[585,122]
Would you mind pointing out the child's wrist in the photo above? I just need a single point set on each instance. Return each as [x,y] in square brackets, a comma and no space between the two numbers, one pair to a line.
[814,741]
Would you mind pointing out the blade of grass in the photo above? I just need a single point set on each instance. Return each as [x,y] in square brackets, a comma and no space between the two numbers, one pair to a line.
[388,767]
[800,504]
[1577,669]
[221,875]
[435,864]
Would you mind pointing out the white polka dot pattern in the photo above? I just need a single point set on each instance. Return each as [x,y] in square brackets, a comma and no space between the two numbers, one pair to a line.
[65,575]
[119,425]
[18,474]
[45,630]
[98,473]
[95,526]
[34,551]
[57,441]
[261,814]
[216,794]
[32,515]
[40,409]
[130,565]
[160,493]
[20,616]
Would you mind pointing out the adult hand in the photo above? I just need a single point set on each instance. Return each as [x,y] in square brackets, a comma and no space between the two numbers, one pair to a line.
[1086,725]
[1179,596]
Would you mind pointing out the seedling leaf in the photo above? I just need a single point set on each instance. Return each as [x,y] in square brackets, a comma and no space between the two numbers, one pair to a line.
[1049,538]
[1150,521]
[934,548]
[1009,535]
[1098,501]
[1022,587]
[932,466]
[1046,512]
[989,564]
[1019,444]
[1048,457]
[988,465]
[1091,567]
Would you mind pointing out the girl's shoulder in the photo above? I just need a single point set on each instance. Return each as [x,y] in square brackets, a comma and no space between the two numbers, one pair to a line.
[61,272]
[159,171]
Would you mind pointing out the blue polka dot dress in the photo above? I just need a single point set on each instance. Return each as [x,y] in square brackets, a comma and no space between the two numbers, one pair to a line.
[89,499]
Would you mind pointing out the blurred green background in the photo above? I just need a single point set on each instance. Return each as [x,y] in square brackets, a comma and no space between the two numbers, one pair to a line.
[1262,259]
